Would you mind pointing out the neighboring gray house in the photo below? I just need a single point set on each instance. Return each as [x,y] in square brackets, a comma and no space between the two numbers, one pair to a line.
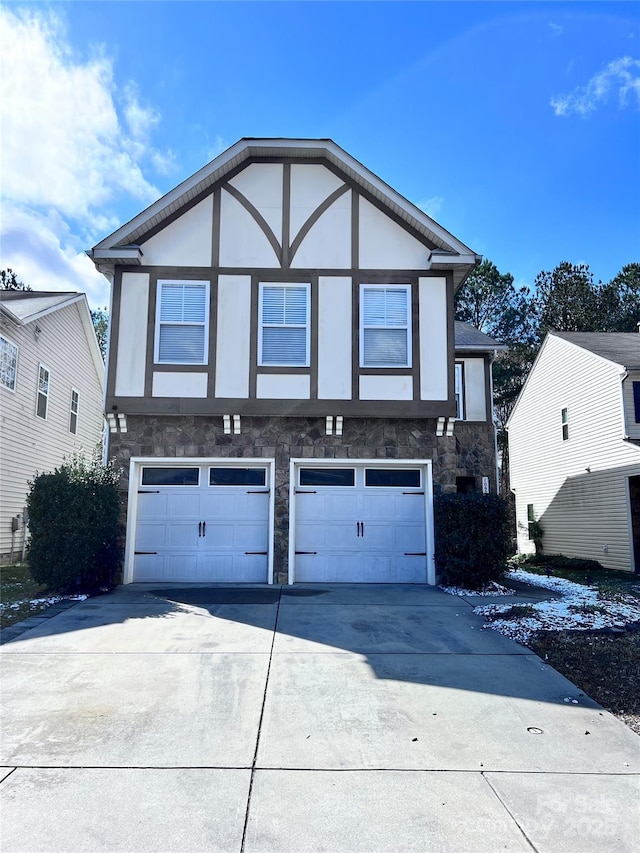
[285,385]
[51,394]
[574,448]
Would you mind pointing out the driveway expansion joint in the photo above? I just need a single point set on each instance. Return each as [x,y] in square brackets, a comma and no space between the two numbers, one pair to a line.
[510,813]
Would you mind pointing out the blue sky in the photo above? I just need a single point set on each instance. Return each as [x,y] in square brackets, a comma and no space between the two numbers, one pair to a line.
[515,125]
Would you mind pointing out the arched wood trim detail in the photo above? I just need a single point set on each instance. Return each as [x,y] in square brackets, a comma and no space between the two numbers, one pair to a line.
[259,218]
[311,221]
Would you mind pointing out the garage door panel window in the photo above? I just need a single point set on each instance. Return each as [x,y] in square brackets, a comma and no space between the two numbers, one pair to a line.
[237,477]
[327,477]
[385,328]
[170,476]
[182,322]
[409,478]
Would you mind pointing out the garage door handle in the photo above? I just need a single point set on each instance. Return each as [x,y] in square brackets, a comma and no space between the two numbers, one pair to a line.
[204,528]
[199,529]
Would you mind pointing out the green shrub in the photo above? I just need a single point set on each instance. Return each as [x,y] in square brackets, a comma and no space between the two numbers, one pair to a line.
[473,539]
[73,525]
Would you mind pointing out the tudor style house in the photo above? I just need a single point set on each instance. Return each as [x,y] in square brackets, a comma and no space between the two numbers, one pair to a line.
[574,448]
[286,385]
[51,396]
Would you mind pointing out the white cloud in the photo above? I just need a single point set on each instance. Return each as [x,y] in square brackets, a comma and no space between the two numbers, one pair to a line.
[432,206]
[556,29]
[74,147]
[620,77]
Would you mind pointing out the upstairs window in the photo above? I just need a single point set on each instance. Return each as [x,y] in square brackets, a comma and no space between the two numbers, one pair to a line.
[182,322]
[283,325]
[636,401]
[385,325]
[73,412]
[565,425]
[8,364]
[42,400]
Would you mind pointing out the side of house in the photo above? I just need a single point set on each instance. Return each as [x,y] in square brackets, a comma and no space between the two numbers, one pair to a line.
[51,390]
[285,375]
[573,467]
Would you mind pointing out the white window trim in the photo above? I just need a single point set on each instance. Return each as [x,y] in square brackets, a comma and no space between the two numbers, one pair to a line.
[459,390]
[38,391]
[77,411]
[564,420]
[387,286]
[15,378]
[307,327]
[156,343]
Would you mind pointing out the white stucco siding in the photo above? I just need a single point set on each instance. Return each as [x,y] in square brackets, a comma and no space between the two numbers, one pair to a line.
[386,388]
[310,186]
[132,335]
[581,511]
[283,386]
[632,427]
[433,338]
[181,384]
[233,336]
[475,395]
[184,242]
[335,338]
[261,184]
[383,244]
[328,243]
[242,242]
[29,444]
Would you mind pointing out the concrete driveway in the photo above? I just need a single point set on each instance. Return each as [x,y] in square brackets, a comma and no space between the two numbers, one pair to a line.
[307,718]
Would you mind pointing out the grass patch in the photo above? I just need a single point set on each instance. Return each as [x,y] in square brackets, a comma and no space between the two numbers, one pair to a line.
[606,668]
[17,593]
[516,611]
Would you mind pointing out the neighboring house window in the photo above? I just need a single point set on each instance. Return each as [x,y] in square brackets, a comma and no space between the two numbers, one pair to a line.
[530,520]
[636,401]
[73,413]
[385,325]
[565,425]
[459,393]
[8,364]
[42,401]
[283,325]
[182,320]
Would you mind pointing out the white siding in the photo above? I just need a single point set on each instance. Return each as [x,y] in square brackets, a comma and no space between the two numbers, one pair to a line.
[132,335]
[310,186]
[184,242]
[475,400]
[179,385]
[261,184]
[386,387]
[434,355]
[29,444]
[328,243]
[583,513]
[386,245]
[233,336]
[335,338]
[283,386]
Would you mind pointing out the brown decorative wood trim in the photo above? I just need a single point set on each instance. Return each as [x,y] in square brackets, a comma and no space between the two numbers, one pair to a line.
[253,338]
[464,389]
[180,368]
[283,408]
[286,215]
[259,218]
[451,338]
[355,332]
[367,276]
[301,371]
[114,333]
[314,217]
[488,368]
[385,371]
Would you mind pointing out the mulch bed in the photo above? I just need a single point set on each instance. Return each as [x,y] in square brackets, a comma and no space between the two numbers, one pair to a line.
[607,668]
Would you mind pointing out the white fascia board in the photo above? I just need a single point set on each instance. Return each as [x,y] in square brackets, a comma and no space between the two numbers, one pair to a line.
[31,318]
[495,348]
[92,340]
[130,253]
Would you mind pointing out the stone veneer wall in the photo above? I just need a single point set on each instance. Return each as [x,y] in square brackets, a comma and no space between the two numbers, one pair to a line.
[468,453]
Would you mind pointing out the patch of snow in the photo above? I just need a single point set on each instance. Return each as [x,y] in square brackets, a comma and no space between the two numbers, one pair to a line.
[491,589]
[38,602]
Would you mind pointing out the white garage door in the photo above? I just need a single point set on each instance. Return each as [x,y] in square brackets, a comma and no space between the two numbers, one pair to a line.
[202,523]
[360,525]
